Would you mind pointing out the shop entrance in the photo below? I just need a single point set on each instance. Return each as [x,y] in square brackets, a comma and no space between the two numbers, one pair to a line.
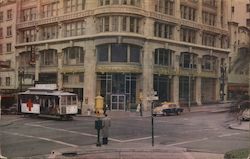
[118,102]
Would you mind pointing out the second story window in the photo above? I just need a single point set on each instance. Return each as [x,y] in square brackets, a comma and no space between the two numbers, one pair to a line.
[188,60]
[50,10]
[163,30]
[73,5]
[136,3]
[163,57]
[188,35]
[73,56]
[165,6]
[8,47]
[209,63]
[1,16]
[48,57]
[188,13]
[9,14]
[9,31]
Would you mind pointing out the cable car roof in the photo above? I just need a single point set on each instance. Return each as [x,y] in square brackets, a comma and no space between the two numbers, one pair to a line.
[44,92]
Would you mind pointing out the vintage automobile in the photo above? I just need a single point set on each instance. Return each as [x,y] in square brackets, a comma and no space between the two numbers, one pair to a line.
[166,108]
[245,115]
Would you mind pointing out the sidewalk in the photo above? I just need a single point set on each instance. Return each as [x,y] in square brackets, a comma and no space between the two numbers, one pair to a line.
[243,125]
[130,151]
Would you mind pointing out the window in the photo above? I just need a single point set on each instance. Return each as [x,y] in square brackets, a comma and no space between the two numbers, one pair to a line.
[248,7]
[209,63]
[1,16]
[9,31]
[28,35]
[136,3]
[1,32]
[118,53]
[188,35]
[188,13]
[208,39]
[188,60]
[111,23]
[1,48]
[103,53]
[211,3]
[7,81]
[163,57]
[48,57]
[73,56]
[50,10]
[165,6]
[75,28]
[163,30]
[73,5]
[49,32]
[29,14]
[208,18]
[9,14]
[248,22]
[8,46]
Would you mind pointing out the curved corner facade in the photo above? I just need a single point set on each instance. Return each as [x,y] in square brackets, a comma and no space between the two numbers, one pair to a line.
[124,50]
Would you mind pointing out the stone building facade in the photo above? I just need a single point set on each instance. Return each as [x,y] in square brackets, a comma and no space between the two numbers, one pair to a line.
[124,50]
[7,46]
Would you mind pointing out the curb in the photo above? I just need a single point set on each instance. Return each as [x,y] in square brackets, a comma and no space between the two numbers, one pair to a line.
[236,127]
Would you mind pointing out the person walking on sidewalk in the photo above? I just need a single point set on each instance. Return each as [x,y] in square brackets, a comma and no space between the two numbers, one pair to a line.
[106,123]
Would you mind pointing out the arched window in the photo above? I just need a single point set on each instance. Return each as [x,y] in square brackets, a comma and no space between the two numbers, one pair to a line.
[48,57]
[163,57]
[118,53]
[73,56]
[209,63]
[188,60]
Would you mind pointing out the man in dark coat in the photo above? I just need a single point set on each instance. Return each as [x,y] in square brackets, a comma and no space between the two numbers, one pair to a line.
[106,123]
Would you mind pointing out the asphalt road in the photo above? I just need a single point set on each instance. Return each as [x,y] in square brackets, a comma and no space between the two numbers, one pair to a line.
[206,132]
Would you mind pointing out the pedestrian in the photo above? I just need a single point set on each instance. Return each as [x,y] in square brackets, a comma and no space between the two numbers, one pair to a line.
[105,108]
[106,123]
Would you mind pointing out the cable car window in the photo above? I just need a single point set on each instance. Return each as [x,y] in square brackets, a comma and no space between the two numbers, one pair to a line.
[63,100]
[68,100]
[74,102]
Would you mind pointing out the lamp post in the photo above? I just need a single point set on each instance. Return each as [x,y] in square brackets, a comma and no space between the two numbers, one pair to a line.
[21,76]
[223,70]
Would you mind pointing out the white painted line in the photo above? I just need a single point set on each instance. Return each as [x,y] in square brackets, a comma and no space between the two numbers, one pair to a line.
[87,134]
[70,131]
[40,138]
[2,157]
[227,135]
[138,139]
[186,142]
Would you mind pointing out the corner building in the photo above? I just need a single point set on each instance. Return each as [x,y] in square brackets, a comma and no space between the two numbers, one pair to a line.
[125,49]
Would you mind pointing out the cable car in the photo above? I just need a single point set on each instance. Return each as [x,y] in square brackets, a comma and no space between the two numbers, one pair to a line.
[46,100]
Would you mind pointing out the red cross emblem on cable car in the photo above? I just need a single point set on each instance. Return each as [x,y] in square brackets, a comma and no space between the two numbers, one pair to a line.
[29,104]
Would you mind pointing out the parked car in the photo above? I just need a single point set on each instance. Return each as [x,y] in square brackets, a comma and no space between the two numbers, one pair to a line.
[166,108]
[245,115]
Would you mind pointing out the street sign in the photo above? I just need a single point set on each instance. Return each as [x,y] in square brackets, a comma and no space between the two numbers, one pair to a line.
[153,98]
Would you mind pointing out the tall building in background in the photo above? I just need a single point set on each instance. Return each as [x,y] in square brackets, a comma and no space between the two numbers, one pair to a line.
[238,79]
[7,46]
[125,49]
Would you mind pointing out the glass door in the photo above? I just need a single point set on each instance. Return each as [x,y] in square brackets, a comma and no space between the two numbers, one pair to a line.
[118,102]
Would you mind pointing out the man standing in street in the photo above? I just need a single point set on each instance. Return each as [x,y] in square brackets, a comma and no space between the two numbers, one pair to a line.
[106,123]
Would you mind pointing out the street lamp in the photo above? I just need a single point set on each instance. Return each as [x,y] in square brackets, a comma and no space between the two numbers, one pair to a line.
[223,70]
[21,76]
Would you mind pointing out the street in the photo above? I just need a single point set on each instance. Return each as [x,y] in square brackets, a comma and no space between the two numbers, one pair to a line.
[200,131]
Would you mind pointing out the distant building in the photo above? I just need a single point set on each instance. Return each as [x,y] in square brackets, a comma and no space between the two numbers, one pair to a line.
[238,78]
[8,76]
[123,48]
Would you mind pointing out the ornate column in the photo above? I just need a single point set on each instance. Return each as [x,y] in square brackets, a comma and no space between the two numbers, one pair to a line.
[198,90]
[177,12]
[37,65]
[218,14]
[199,12]
[175,80]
